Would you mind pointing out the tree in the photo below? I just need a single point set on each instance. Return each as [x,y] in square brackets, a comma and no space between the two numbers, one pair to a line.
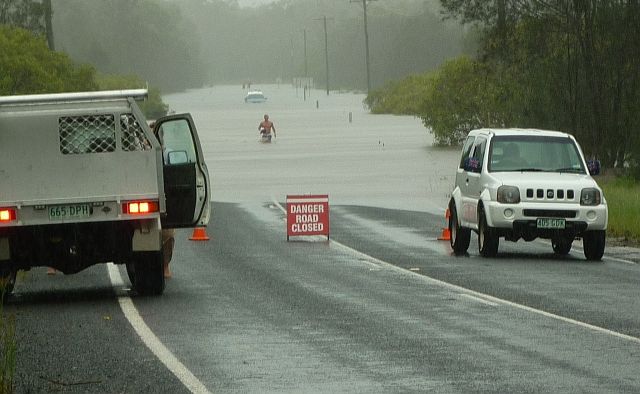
[28,66]
[575,63]
[464,95]
[152,108]
[27,14]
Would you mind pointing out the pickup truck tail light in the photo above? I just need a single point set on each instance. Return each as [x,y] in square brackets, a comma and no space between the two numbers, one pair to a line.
[140,207]
[7,215]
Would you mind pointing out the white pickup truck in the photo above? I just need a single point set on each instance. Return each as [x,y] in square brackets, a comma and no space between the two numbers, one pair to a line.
[84,181]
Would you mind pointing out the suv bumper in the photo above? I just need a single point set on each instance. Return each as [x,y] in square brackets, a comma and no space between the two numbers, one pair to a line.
[522,218]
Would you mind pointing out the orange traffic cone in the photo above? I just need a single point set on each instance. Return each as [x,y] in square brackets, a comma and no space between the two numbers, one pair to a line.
[446,234]
[199,234]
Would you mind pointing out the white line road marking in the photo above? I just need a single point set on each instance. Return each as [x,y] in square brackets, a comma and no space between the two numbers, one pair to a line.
[486,297]
[478,299]
[151,340]
[620,260]
[373,265]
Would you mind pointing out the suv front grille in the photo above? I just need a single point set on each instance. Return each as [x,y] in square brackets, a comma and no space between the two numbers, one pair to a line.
[551,194]
[549,213]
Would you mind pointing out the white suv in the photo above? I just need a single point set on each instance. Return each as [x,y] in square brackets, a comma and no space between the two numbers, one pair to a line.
[528,184]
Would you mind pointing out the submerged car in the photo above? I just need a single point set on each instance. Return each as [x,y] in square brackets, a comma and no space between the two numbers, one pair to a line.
[526,184]
[255,96]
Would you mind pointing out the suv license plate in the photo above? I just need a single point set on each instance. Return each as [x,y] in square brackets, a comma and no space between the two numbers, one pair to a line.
[551,223]
[72,211]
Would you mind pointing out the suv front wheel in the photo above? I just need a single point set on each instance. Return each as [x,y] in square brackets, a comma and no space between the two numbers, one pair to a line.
[593,243]
[487,239]
[460,237]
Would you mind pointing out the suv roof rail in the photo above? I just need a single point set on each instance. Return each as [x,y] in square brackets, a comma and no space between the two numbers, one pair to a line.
[137,94]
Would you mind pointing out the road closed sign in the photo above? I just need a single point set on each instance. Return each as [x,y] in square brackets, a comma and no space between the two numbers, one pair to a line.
[307,215]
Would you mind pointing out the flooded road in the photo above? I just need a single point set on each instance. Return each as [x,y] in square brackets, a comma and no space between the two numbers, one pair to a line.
[373,160]
[384,306]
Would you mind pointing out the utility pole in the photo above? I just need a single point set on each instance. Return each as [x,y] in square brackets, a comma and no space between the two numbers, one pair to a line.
[366,41]
[326,50]
[306,66]
[48,25]
[292,70]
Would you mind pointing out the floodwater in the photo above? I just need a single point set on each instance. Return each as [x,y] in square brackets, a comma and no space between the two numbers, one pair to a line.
[325,145]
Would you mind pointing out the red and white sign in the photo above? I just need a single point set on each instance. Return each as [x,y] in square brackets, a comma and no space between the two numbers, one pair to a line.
[307,215]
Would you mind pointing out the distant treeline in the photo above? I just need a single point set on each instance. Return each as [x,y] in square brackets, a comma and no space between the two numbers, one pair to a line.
[28,66]
[177,44]
[564,65]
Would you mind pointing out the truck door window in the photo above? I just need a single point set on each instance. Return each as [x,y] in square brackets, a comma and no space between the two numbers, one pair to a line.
[177,142]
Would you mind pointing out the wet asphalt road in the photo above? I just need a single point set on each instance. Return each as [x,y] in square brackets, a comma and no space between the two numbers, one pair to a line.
[382,308]
[250,312]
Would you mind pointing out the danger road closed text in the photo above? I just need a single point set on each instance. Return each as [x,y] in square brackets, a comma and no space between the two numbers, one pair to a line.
[307,215]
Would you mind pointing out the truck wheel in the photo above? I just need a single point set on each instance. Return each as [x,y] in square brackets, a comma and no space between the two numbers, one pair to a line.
[487,240]
[7,280]
[561,246]
[131,272]
[148,273]
[460,237]
[594,242]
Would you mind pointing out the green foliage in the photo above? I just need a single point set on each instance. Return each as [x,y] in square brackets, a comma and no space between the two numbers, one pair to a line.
[575,67]
[28,66]
[404,97]
[464,94]
[569,66]
[623,200]
[27,14]
[152,108]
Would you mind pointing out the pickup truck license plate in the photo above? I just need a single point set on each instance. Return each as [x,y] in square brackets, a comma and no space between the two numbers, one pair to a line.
[71,211]
[551,223]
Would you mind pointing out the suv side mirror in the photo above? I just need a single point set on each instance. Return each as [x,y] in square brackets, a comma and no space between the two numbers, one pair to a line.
[471,164]
[594,167]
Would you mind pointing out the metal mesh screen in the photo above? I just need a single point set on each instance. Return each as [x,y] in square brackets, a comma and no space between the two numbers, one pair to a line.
[87,134]
[133,138]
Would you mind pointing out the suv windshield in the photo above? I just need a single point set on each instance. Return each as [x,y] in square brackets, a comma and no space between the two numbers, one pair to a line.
[534,153]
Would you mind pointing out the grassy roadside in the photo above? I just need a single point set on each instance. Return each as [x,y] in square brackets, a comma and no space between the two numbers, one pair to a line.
[623,199]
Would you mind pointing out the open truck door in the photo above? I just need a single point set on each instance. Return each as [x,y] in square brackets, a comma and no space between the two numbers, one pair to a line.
[187,187]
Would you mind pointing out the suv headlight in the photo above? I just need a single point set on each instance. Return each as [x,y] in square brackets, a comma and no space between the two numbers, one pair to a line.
[508,195]
[590,196]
